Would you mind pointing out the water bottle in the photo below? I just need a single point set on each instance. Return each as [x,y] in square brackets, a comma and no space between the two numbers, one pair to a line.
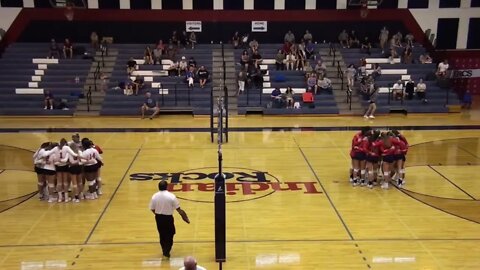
[77,79]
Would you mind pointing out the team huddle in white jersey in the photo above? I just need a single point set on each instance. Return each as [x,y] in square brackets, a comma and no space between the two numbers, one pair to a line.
[63,169]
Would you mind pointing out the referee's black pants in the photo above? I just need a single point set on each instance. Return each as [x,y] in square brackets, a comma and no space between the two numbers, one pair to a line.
[166,231]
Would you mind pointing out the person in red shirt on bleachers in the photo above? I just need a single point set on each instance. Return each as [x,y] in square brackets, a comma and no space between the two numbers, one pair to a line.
[308,99]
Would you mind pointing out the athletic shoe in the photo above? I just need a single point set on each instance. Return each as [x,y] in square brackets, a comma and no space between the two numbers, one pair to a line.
[371,117]
[365,116]
[355,182]
[350,180]
[76,200]
[99,191]
[362,182]
[67,199]
[370,184]
[400,182]
[51,200]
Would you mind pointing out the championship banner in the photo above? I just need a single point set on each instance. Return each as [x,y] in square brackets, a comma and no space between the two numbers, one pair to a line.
[466,73]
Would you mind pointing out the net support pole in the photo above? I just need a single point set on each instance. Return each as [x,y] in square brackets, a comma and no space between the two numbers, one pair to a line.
[220,200]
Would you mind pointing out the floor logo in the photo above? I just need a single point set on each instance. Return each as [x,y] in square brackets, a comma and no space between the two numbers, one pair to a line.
[241,184]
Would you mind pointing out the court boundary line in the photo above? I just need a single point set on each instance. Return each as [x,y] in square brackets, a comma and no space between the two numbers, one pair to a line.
[451,182]
[113,195]
[242,241]
[233,129]
[324,190]
[461,148]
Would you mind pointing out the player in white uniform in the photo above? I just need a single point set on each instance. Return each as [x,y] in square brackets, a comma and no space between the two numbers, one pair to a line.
[50,156]
[91,160]
[62,170]
[41,175]
[74,169]
[76,140]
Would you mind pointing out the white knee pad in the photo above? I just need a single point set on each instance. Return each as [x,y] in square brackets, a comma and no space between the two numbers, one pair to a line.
[74,186]
[362,172]
[51,185]
[402,171]
[40,183]
[91,183]
[386,173]
[356,170]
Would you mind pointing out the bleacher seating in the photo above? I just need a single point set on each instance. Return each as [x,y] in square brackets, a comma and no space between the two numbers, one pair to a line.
[172,92]
[25,73]
[258,100]
[392,72]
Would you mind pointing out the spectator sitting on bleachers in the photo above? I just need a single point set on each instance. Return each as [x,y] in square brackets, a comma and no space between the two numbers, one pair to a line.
[174,68]
[377,71]
[312,82]
[184,40]
[236,40]
[244,58]
[353,40]
[203,76]
[253,45]
[321,68]
[150,104]
[190,76]
[308,98]
[147,56]
[324,85]
[48,100]
[409,39]
[242,78]
[54,49]
[128,90]
[289,37]
[67,49]
[157,56]
[442,69]
[279,60]
[94,40]
[350,72]
[192,63]
[276,98]
[286,48]
[131,66]
[308,69]
[256,59]
[175,39]
[137,84]
[366,46]
[193,40]
[425,59]
[399,37]
[290,61]
[309,50]
[409,89]
[422,91]
[307,36]
[383,38]
[397,90]
[171,49]
[343,38]
[289,97]
[362,69]
[244,41]
[182,66]
[408,55]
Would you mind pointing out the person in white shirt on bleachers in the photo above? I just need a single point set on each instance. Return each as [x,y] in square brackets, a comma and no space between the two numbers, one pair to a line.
[421,91]
[397,90]
[442,69]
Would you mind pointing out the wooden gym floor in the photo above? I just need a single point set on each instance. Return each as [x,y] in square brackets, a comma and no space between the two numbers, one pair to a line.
[306,216]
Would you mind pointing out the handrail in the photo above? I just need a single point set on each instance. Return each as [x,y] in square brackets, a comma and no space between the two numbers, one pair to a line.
[340,73]
[89,98]
[103,59]
[349,98]
[96,75]
[334,51]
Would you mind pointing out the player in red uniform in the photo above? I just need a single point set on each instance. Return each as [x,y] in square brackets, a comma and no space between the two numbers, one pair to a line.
[373,157]
[387,150]
[358,155]
[402,149]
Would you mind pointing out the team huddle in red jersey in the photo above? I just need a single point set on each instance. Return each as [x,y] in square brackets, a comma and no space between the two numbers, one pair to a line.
[373,150]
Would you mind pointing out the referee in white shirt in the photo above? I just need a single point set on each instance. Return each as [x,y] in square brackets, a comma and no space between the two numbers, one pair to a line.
[163,204]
